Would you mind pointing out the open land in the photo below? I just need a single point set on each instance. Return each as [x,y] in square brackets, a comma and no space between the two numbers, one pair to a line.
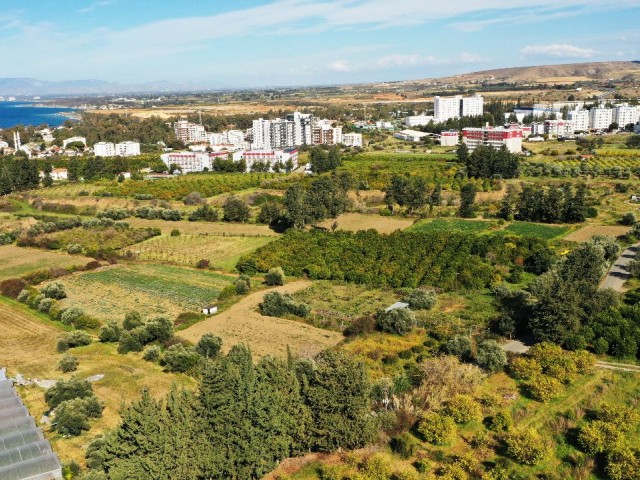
[18,261]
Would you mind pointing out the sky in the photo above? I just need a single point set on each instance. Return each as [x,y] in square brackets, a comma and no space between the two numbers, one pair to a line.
[261,43]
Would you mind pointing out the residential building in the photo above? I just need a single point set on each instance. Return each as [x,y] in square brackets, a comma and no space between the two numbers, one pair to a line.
[537,129]
[270,157]
[495,137]
[449,138]
[559,128]
[188,132]
[302,128]
[624,115]
[127,149]
[190,162]
[327,135]
[104,149]
[580,119]
[418,120]
[352,139]
[600,118]
[410,135]
[537,111]
[446,108]
[382,125]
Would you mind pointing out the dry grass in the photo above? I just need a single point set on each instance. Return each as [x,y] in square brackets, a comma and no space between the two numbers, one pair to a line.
[194,228]
[242,323]
[222,252]
[18,261]
[358,221]
[585,233]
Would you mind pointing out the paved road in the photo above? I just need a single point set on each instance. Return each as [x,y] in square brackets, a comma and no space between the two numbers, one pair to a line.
[618,273]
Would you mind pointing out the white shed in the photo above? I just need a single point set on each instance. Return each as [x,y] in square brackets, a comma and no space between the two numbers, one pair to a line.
[210,310]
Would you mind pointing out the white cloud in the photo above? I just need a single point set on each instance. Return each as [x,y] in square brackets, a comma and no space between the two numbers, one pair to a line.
[96,5]
[557,50]
[340,66]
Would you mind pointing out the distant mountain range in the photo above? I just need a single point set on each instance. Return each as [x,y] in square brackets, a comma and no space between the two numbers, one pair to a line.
[32,87]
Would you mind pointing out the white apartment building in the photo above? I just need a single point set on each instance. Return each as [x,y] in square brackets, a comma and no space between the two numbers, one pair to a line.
[124,149]
[382,125]
[191,162]
[270,157]
[104,149]
[327,135]
[418,120]
[302,130]
[580,119]
[352,139]
[623,115]
[559,128]
[188,132]
[449,138]
[446,108]
[233,139]
[600,118]
[494,137]
[537,129]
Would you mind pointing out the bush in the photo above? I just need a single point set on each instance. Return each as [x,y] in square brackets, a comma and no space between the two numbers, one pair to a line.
[623,463]
[459,346]
[203,264]
[462,409]
[67,390]
[421,299]
[500,422]
[193,198]
[45,305]
[621,416]
[526,447]
[209,345]
[235,210]
[72,416]
[175,232]
[404,445]
[12,287]
[110,332]
[399,321]
[490,356]
[159,329]
[598,436]
[437,429]
[71,315]
[628,219]
[178,358]
[129,343]
[68,363]
[54,290]
[522,368]
[360,326]
[77,338]
[74,249]
[132,320]
[376,467]
[275,276]
[241,287]
[152,353]
[276,304]
[204,213]
[543,388]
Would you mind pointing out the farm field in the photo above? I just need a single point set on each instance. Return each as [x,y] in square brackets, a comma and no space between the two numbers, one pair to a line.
[242,323]
[357,221]
[584,234]
[548,232]
[194,228]
[222,252]
[443,225]
[152,290]
[19,261]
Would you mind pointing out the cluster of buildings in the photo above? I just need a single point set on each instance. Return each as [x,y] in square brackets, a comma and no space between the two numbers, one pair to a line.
[123,149]
[579,119]
[190,162]
[447,108]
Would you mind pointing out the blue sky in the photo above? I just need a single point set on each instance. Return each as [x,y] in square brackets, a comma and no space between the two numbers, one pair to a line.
[240,43]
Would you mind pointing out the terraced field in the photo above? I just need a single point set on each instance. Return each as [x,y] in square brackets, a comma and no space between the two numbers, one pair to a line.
[18,261]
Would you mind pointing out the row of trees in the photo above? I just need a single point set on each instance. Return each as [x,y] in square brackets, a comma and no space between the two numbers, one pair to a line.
[413,193]
[488,162]
[536,203]
[18,173]
[243,420]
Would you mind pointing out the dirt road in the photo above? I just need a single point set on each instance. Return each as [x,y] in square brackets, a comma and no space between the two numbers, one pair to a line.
[618,273]
[242,323]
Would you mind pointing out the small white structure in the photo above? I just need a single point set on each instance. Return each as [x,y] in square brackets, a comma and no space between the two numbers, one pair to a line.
[410,135]
[210,310]
[418,120]
[396,306]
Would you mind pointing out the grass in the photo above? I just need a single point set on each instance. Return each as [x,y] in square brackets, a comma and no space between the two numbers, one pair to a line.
[445,225]
[18,261]
[354,222]
[222,252]
[205,228]
[585,233]
[547,232]
[150,289]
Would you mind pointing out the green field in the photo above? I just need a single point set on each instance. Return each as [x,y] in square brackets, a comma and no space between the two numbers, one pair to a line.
[548,232]
[151,289]
[444,225]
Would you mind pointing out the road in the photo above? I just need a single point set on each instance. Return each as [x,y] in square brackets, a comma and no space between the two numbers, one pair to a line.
[618,273]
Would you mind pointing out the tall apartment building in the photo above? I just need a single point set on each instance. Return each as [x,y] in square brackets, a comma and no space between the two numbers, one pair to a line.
[559,128]
[327,135]
[192,161]
[124,149]
[623,115]
[104,149]
[580,119]
[188,132]
[352,139]
[446,108]
[494,137]
[270,157]
[303,125]
[600,118]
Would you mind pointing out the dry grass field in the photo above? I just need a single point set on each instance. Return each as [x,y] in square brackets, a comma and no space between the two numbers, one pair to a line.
[242,323]
[18,261]
[194,228]
[152,290]
[222,252]
[584,234]
[357,221]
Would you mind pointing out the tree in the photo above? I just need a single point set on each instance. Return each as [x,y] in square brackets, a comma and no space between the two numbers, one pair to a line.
[67,390]
[633,141]
[193,198]
[463,409]
[132,319]
[467,200]
[295,205]
[235,210]
[47,181]
[459,347]
[275,276]
[490,356]
[437,429]
[68,363]
[421,299]
[54,290]
[399,321]
[527,447]
[178,358]
[209,345]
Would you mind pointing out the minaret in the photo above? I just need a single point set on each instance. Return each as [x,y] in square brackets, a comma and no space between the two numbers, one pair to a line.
[16,140]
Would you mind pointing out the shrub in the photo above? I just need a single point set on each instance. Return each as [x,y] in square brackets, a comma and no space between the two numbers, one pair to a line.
[543,388]
[67,390]
[72,415]
[490,356]
[241,287]
[193,198]
[203,264]
[407,473]
[500,422]
[623,464]
[54,290]
[77,338]
[92,265]
[584,361]
[376,467]
[129,343]
[437,429]
[462,409]
[404,445]
[74,249]
[522,368]
[421,299]
[628,219]
[209,345]
[360,326]
[276,304]
[598,436]
[71,315]
[275,276]
[526,447]
[246,279]
[204,213]
[621,416]
[68,363]
[110,332]
[132,320]
[175,232]
[12,287]
[23,296]
[235,210]
[152,353]
[45,305]
[178,358]
[459,346]
[86,323]
[399,321]
[159,329]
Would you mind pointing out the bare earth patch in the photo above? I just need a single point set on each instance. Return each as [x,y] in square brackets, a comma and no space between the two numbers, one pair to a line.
[354,222]
[585,233]
[214,228]
[242,323]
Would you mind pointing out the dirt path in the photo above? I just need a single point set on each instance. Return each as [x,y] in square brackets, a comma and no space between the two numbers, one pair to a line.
[266,335]
[622,367]
[618,273]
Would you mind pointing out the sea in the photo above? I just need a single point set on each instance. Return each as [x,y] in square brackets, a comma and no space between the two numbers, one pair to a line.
[25,113]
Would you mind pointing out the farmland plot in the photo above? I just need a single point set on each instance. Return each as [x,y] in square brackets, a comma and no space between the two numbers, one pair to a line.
[18,261]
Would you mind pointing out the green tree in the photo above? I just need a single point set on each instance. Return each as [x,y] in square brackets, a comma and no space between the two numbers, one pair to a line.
[467,201]
[490,356]
[235,210]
